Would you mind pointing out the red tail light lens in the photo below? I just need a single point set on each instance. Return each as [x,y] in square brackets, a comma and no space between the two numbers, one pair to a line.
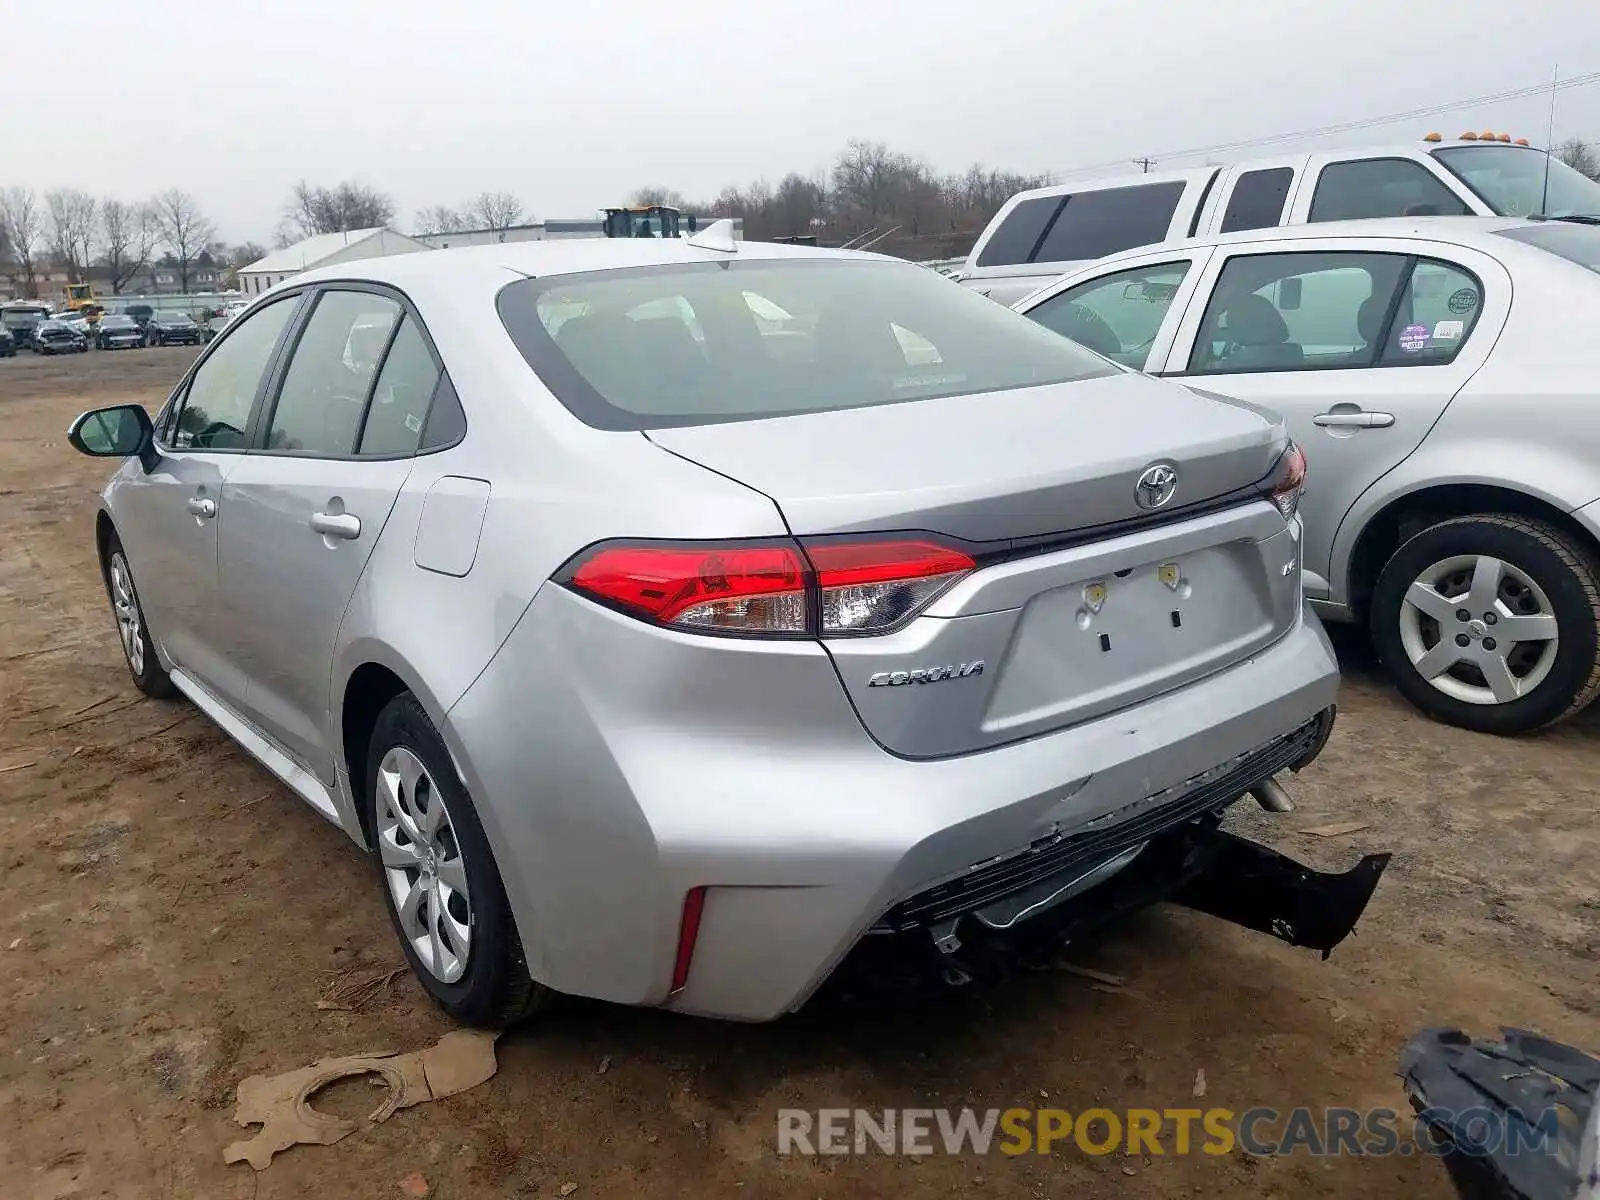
[1287,481]
[873,587]
[736,589]
[854,587]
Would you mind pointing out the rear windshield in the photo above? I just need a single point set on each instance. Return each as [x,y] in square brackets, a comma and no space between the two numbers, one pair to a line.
[1575,243]
[700,343]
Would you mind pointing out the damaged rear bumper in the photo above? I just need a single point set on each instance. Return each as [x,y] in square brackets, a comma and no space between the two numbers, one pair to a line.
[1017,911]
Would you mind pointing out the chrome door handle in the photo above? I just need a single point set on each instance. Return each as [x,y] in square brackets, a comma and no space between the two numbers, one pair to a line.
[339,525]
[202,506]
[1354,420]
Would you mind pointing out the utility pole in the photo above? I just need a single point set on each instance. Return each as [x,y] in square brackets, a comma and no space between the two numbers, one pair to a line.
[1146,163]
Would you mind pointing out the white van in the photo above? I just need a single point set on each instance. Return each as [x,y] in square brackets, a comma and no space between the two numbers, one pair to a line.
[1047,231]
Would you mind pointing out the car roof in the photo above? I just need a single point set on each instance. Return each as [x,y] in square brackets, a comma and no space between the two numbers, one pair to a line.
[503,262]
[1461,231]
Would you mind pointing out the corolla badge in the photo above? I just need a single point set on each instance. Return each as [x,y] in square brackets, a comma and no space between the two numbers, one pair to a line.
[1157,485]
[927,674]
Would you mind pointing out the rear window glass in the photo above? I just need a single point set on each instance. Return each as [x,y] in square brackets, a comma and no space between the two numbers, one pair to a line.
[1019,233]
[1110,220]
[699,343]
[1258,199]
[1576,243]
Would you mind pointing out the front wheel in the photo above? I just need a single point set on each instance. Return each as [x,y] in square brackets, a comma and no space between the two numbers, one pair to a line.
[148,674]
[440,882]
[1491,623]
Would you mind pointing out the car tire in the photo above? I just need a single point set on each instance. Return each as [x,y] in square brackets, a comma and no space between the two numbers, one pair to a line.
[1543,577]
[149,676]
[471,961]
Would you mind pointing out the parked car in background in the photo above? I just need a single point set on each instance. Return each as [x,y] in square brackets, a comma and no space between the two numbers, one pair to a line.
[1041,233]
[1444,380]
[57,337]
[538,615]
[8,344]
[118,331]
[215,324]
[21,317]
[75,321]
[173,329]
[142,315]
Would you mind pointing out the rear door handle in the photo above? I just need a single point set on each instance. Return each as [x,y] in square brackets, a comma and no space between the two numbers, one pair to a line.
[339,525]
[202,506]
[1354,420]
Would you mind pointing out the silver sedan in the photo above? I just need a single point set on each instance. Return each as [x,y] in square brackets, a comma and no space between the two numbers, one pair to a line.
[1444,378]
[667,617]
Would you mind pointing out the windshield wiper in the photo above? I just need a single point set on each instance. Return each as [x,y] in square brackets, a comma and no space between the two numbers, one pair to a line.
[1575,218]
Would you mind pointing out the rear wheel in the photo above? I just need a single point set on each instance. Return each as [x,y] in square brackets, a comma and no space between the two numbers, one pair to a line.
[440,882]
[1491,623]
[148,674]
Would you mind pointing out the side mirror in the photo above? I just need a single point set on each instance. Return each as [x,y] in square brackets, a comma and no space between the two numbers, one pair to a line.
[115,432]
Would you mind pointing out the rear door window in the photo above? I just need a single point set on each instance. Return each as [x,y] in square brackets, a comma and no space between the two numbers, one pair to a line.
[1019,233]
[1381,187]
[1116,315]
[1258,199]
[1435,317]
[1297,312]
[1109,220]
[325,389]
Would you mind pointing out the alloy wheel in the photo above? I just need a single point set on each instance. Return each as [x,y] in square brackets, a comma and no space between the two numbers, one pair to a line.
[422,865]
[125,604]
[1479,629]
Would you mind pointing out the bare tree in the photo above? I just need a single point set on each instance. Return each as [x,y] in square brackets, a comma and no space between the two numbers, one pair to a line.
[185,230]
[496,210]
[1580,156]
[659,195]
[21,216]
[73,226]
[346,206]
[129,234]
[439,219]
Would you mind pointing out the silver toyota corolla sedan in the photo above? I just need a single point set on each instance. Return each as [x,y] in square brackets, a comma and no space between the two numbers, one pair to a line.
[671,617]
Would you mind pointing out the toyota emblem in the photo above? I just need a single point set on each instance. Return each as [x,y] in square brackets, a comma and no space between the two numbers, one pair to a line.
[1156,487]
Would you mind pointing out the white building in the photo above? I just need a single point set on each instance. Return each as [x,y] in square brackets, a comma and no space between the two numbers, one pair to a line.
[323,250]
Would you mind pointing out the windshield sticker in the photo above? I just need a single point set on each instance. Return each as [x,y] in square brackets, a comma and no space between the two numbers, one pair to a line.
[1448,331]
[1463,301]
[1414,337]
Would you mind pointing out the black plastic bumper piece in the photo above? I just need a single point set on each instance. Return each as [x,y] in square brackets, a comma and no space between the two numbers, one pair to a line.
[1197,865]
[1263,890]
[1493,1109]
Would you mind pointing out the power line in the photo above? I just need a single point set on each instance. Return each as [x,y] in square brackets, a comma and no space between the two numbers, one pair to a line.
[1522,93]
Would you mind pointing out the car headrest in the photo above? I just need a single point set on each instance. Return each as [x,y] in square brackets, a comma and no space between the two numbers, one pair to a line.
[1252,321]
[1369,319]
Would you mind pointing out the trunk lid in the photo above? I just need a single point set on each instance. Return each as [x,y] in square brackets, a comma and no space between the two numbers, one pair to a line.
[1036,638]
[1000,465]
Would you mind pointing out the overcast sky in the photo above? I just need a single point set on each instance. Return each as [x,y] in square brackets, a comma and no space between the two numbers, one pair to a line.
[573,105]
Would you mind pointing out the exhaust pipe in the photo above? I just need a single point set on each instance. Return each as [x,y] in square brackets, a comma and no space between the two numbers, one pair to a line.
[1270,795]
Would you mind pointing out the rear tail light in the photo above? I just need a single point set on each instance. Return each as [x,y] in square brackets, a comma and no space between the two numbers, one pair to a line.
[733,589]
[1287,481]
[873,587]
[775,588]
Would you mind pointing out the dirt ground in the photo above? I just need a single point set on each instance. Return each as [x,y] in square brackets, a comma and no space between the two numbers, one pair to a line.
[172,916]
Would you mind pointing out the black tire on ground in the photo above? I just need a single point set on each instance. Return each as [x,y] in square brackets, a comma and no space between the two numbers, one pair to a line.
[496,989]
[150,677]
[1567,571]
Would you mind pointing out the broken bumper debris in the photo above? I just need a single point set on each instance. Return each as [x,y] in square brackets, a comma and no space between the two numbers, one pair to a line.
[1513,1119]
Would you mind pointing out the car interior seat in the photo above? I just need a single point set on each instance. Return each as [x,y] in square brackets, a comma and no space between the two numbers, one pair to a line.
[1257,336]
